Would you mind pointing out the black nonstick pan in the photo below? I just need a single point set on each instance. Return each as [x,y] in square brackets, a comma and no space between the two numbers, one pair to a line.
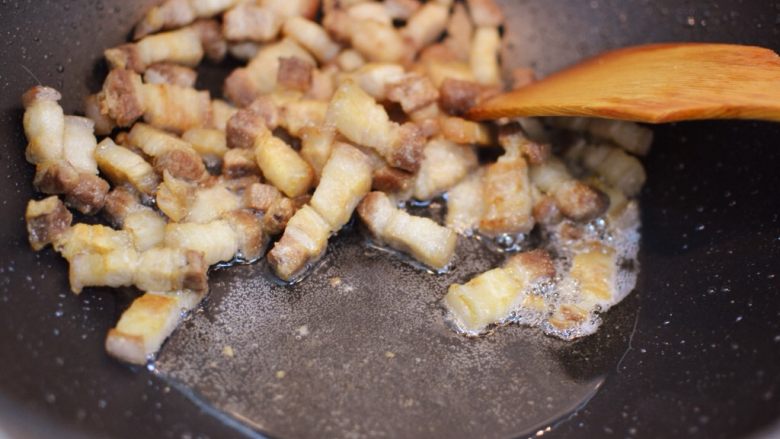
[693,352]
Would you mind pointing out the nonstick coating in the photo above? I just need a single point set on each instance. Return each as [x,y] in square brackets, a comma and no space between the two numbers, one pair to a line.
[703,360]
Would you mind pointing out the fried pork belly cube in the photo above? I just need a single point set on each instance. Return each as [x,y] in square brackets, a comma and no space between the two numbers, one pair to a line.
[293,8]
[346,179]
[413,92]
[145,225]
[312,37]
[216,240]
[368,10]
[121,165]
[465,205]
[244,51]
[426,25]
[261,197]
[252,240]
[211,203]
[443,166]
[153,141]
[298,115]
[175,108]
[294,74]
[171,269]
[283,166]
[174,197]
[378,41]
[115,269]
[486,13]
[214,44]
[630,136]
[122,97]
[376,78]
[513,136]
[491,297]
[209,143]
[483,57]
[169,152]
[44,124]
[247,125]
[243,85]
[120,202]
[103,124]
[401,9]
[593,275]
[316,147]
[251,22]
[304,240]
[457,97]
[88,195]
[392,181]
[460,30]
[239,163]
[173,74]
[181,46]
[507,196]
[98,256]
[361,120]
[464,131]
[439,70]
[575,199]
[79,144]
[172,14]
[323,83]
[349,60]
[619,169]
[147,323]
[47,220]
[422,238]
[57,177]
[279,213]
[221,112]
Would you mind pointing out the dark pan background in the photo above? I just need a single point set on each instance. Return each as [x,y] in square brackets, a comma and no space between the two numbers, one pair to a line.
[704,360]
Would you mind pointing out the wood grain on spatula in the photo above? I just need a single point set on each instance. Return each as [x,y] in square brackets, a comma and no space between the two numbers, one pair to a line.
[654,83]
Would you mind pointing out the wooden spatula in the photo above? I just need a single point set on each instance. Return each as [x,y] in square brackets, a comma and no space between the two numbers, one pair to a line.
[654,83]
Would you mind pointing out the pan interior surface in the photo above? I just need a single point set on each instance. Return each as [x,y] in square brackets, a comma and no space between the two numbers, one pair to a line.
[361,347]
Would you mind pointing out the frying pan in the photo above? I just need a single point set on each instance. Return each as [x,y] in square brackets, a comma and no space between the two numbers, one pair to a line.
[699,344]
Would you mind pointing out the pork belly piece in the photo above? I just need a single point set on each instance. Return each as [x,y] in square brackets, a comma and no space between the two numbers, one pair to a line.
[168,73]
[616,167]
[304,241]
[507,197]
[465,205]
[460,30]
[375,78]
[124,210]
[79,143]
[591,285]
[283,166]
[312,37]
[252,239]
[251,22]
[47,220]
[182,46]
[103,124]
[171,269]
[147,323]
[169,153]
[294,74]
[377,41]
[426,25]
[413,92]
[175,108]
[239,163]
[221,112]
[316,147]
[494,295]
[422,238]
[243,85]
[575,199]
[464,131]
[346,179]
[513,136]
[209,143]
[217,240]
[44,124]
[88,195]
[443,166]
[122,165]
[630,136]
[210,203]
[177,13]
[483,57]
[360,119]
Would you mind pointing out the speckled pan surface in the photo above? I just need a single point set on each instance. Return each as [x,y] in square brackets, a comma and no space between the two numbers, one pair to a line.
[693,352]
